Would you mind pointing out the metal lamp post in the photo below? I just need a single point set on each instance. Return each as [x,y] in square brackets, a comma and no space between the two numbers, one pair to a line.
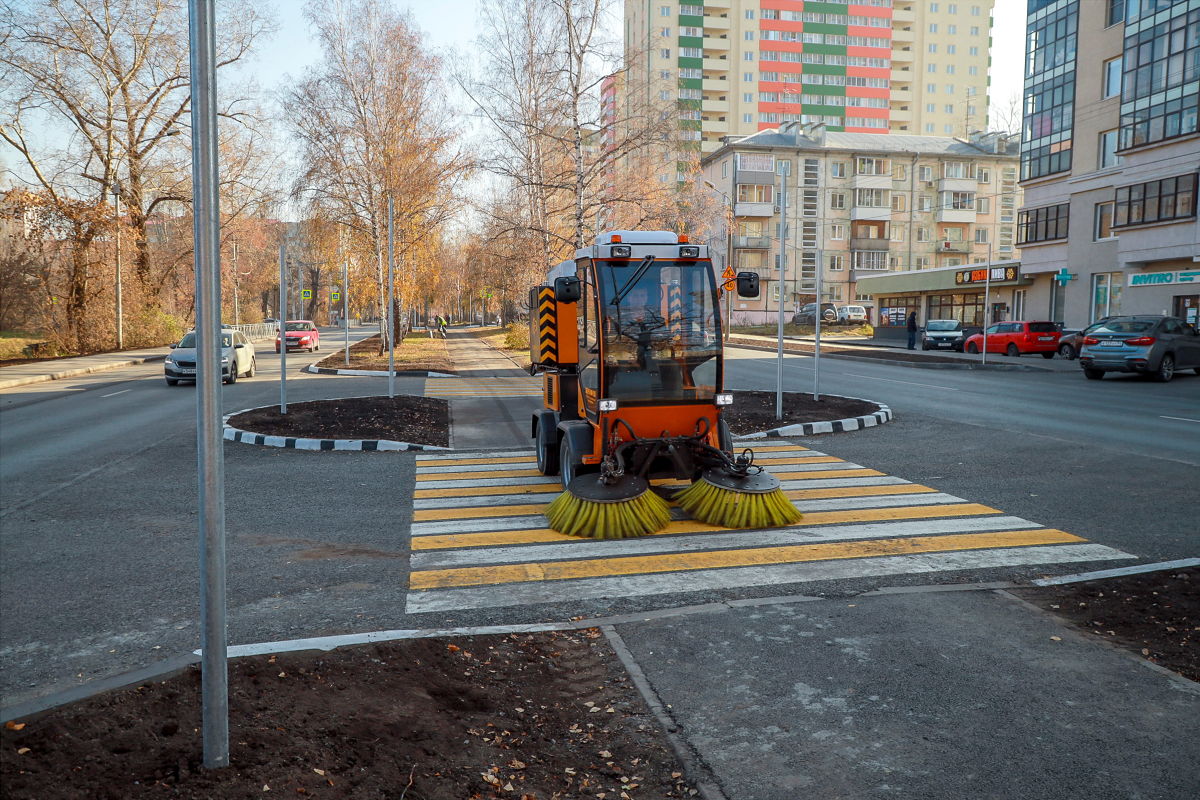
[116,191]
[784,169]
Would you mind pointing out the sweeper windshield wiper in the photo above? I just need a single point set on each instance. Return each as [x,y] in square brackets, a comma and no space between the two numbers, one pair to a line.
[637,276]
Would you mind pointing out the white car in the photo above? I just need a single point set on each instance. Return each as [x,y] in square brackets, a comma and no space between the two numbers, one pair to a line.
[852,315]
[237,358]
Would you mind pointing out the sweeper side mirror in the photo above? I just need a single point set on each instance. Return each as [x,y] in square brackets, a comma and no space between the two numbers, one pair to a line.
[747,284]
[568,290]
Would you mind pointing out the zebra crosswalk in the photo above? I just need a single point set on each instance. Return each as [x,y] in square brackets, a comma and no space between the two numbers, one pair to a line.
[479,387]
[480,540]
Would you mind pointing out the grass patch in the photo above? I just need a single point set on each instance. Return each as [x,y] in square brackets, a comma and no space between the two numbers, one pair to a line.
[513,341]
[13,344]
[417,351]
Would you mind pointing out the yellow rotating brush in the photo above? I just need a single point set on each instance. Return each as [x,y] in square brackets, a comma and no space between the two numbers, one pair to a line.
[734,498]
[618,510]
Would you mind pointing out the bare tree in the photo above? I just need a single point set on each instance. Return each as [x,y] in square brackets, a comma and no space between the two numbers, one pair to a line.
[1005,115]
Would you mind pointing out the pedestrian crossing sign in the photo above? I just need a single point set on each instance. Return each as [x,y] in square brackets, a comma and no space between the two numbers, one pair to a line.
[335,296]
[306,294]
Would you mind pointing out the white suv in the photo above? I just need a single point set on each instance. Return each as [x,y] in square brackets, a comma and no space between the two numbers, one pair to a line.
[852,315]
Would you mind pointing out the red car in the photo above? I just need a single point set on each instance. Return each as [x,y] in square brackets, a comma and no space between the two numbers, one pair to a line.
[1018,338]
[302,334]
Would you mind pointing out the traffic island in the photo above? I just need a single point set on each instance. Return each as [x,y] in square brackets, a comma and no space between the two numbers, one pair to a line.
[417,355]
[403,422]
[903,358]
[525,715]
[752,414]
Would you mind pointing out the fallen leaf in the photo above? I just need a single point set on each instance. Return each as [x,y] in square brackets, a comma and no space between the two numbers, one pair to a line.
[23,751]
[520,711]
[605,754]
[266,788]
[14,726]
[589,704]
[517,764]
[610,710]
[318,771]
[508,787]
[282,674]
[1145,651]
[301,790]
[635,761]
[1056,638]
[676,774]
[568,770]
[593,709]
[452,648]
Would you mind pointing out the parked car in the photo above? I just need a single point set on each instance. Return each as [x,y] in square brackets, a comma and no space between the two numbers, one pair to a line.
[1070,342]
[237,358]
[852,315]
[1151,345]
[808,314]
[943,334]
[302,334]
[1018,338]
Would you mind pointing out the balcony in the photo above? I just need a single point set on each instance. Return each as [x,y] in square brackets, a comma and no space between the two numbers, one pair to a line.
[719,106]
[717,3]
[711,43]
[905,56]
[752,242]
[900,15]
[902,95]
[958,185]
[899,35]
[714,126]
[900,115]
[956,215]
[871,213]
[718,85]
[716,23]
[869,244]
[953,247]
[716,65]
[871,181]
[902,75]
[754,209]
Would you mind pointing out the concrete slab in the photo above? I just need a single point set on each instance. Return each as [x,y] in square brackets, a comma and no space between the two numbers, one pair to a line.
[940,695]
[493,401]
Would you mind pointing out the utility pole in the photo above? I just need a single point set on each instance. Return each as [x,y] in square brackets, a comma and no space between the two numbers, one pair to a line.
[206,232]
[987,300]
[120,313]
[817,330]
[283,304]
[236,311]
[346,306]
[391,294]
[783,168]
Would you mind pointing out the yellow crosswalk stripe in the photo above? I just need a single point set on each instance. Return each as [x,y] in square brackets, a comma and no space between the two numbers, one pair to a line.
[464,462]
[431,514]
[466,476]
[675,562]
[830,473]
[472,491]
[856,491]
[451,540]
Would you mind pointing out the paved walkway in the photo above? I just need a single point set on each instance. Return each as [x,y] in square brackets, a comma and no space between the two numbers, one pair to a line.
[39,371]
[492,401]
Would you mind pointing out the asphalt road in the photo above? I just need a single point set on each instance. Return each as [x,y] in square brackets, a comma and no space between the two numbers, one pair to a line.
[98,557]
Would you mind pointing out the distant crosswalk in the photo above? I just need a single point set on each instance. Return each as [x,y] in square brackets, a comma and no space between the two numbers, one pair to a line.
[480,540]
[482,387]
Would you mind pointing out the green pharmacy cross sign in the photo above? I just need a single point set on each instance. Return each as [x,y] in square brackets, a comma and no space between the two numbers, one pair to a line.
[1062,276]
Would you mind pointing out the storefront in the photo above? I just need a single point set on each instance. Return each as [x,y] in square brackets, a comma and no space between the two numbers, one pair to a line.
[1161,291]
[964,293]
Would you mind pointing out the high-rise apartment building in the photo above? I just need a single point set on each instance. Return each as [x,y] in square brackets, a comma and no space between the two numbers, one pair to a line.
[865,66]
[1110,156]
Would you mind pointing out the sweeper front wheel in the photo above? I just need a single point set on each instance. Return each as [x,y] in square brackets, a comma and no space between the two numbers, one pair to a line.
[567,468]
[547,457]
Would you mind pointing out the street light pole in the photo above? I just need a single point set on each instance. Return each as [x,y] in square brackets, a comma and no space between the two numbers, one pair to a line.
[206,233]
[987,299]
[391,294]
[283,304]
[120,314]
[346,306]
[783,168]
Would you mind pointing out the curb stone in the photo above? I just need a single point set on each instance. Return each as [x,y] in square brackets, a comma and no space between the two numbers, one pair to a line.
[75,373]
[374,373]
[898,363]
[233,434]
[883,415]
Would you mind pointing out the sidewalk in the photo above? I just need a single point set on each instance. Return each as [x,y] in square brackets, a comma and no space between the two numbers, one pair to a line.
[941,694]
[59,368]
[492,401]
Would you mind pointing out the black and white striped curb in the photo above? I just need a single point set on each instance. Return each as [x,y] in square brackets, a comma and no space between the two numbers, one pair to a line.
[884,414]
[233,434]
[375,373]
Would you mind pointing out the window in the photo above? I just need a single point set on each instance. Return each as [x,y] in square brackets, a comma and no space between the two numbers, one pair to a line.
[983,174]
[948,129]
[925,173]
[925,204]
[869,259]
[958,169]
[949,108]
[899,171]
[664,11]
[871,198]
[898,201]
[1156,201]
[952,8]
[750,14]
[768,97]
[725,168]
[1108,150]
[1106,294]
[1049,96]
[1116,12]
[749,36]
[1158,59]
[665,52]
[755,193]
[972,91]
[689,115]
[838,169]
[664,74]
[973,51]
[1043,224]
[931,88]
[769,13]
[933,48]
[748,77]
[691,72]
[957,201]
[690,94]
[747,118]
[930,108]
[665,33]
[664,95]
[837,200]
[952,30]
[966,308]
[974,30]
[949,88]
[691,31]
[897,230]
[871,166]
[984,205]
[981,235]
[933,8]
[1104,217]
[931,68]
[691,52]
[951,50]
[748,56]
[834,292]
[1112,77]
[921,262]
[929,127]
[758,162]
[974,11]
[933,28]
[949,69]
[837,263]
[691,11]
[837,232]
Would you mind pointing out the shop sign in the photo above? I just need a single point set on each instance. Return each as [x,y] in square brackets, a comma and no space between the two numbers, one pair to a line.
[1191,276]
[893,316]
[980,275]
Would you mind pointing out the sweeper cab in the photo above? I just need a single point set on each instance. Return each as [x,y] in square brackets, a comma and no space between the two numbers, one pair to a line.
[628,340]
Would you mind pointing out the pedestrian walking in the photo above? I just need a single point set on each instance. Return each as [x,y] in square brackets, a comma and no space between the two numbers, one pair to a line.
[912,331]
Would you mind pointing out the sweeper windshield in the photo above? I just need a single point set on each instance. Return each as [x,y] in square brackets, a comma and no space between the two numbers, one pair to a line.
[661,331]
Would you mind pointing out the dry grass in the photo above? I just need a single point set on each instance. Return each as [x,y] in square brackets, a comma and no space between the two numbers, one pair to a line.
[13,344]
[513,341]
[416,352]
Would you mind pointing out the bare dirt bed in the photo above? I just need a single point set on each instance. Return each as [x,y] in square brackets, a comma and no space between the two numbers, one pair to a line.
[415,352]
[528,717]
[404,418]
[752,412]
[1156,614]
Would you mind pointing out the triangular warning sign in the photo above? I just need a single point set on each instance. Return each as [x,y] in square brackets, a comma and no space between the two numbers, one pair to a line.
[728,275]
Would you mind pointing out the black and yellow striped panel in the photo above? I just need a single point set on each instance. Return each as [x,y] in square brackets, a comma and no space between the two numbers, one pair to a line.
[675,309]
[547,339]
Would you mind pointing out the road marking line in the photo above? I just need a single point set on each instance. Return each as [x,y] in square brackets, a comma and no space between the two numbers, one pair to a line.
[523,464]
[114,394]
[1181,419]
[1137,569]
[612,548]
[464,476]
[907,383]
[463,462]
[525,453]
[477,482]
[796,471]
[433,535]
[472,491]
[676,562]
[857,491]
[742,577]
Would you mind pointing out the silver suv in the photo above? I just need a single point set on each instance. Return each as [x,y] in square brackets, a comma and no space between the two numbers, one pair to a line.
[1151,345]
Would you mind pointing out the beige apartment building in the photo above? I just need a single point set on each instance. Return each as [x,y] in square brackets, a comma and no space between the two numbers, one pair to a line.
[1110,159]
[861,206]
[864,66]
